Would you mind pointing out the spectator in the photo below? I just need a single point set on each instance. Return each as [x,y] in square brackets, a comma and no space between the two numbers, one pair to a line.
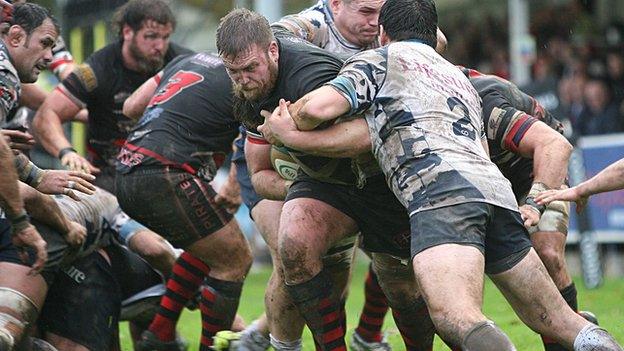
[600,114]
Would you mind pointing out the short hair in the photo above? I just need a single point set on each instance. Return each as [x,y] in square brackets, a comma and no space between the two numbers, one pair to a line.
[240,29]
[30,16]
[135,12]
[410,19]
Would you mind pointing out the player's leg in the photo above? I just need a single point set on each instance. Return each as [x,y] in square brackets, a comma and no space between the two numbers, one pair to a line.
[21,294]
[408,307]
[524,281]
[373,312]
[189,218]
[447,244]
[308,228]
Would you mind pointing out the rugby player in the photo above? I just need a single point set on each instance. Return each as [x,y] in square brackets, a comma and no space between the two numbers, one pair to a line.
[253,63]
[403,134]
[177,146]
[101,85]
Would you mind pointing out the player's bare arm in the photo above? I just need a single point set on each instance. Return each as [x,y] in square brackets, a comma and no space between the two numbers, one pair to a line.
[32,96]
[24,234]
[609,179]
[265,180]
[135,104]
[344,139]
[48,129]
[550,152]
[46,210]
[321,105]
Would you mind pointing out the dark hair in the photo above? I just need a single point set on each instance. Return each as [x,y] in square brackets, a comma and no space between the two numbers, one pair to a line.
[240,29]
[410,19]
[135,12]
[30,16]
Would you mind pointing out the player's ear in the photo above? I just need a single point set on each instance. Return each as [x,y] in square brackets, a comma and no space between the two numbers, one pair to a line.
[334,6]
[127,32]
[383,37]
[16,35]
[274,51]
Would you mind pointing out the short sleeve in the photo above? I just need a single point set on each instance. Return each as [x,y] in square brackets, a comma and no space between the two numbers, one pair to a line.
[9,93]
[80,85]
[361,78]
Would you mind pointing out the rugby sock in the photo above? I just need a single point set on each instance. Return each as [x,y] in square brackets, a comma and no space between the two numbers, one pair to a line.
[375,309]
[415,325]
[219,302]
[322,313]
[187,275]
[569,295]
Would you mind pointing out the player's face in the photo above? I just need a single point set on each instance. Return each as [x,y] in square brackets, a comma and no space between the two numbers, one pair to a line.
[36,52]
[358,20]
[253,72]
[149,45]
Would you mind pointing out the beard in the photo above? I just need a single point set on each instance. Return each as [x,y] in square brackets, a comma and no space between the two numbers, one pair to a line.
[147,64]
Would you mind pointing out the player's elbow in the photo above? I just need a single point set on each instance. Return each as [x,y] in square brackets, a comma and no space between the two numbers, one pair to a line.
[130,109]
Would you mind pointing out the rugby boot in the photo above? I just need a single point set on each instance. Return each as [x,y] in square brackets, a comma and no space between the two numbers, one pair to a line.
[149,342]
[359,344]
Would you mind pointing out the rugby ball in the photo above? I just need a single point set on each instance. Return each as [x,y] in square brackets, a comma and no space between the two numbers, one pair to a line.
[283,163]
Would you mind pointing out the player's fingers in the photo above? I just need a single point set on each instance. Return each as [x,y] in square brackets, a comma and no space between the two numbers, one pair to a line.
[85,176]
[83,186]
[71,194]
[265,114]
[42,256]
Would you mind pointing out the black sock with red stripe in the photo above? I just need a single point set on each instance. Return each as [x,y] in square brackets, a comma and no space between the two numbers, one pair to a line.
[375,309]
[187,275]
[219,302]
[322,312]
[415,325]
[569,295]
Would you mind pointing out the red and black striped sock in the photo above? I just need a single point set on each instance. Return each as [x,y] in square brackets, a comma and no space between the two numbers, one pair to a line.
[569,295]
[219,302]
[321,311]
[375,309]
[415,325]
[187,275]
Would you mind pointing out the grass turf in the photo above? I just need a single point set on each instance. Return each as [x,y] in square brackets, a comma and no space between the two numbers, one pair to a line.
[606,302]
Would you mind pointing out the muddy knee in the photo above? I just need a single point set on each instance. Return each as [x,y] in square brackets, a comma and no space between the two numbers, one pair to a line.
[486,336]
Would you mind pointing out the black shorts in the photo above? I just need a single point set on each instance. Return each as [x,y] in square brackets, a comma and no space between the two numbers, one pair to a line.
[497,232]
[83,304]
[58,249]
[381,218]
[171,202]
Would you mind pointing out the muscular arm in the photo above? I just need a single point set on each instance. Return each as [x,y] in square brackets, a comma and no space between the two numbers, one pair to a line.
[318,106]
[32,96]
[341,140]
[135,104]
[265,180]
[47,124]
[43,208]
[10,199]
[550,152]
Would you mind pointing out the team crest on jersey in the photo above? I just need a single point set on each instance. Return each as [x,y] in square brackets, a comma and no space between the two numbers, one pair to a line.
[87,77]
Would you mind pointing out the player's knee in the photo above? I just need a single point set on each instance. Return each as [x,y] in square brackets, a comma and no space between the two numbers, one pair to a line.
[486,336]
[294,256]
[16,312]
[552,258]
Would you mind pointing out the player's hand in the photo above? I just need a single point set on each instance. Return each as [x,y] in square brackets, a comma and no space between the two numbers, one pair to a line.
[75,162]
[17,140]
[277,124]
[530,216]
[229,196]
[76,235]
[28,236]
[66,183]
[571,194]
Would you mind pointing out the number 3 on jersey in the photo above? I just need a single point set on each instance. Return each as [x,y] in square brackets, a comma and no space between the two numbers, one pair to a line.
[461,127]
[178,82]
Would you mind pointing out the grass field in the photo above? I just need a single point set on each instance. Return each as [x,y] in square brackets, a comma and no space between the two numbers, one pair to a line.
[606,302]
